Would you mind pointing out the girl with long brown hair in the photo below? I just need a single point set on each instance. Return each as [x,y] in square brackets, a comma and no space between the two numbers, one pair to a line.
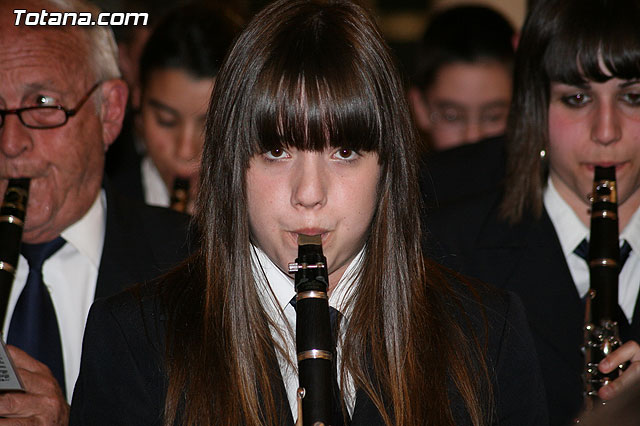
[308,133]
[575,106]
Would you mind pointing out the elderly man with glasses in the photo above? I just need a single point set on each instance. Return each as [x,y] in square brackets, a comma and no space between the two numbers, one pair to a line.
[61,105]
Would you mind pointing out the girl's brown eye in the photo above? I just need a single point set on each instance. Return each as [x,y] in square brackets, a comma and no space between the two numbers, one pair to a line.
[276,153]
[576,100]
[345,154]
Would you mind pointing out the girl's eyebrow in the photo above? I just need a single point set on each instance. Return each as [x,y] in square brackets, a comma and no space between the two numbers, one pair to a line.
[629,83]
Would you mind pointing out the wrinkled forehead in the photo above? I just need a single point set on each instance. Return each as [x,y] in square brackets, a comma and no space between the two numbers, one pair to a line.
[11,9]
[15,25]
[56,56]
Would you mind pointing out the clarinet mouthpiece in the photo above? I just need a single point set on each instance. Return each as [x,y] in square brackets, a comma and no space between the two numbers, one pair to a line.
[304,240]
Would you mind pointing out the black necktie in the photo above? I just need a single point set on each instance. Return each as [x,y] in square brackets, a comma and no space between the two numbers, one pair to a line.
[334,318]
[582,250]
[34,325]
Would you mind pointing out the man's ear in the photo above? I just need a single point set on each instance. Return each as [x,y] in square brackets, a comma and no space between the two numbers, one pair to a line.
[419,109]
[114,105]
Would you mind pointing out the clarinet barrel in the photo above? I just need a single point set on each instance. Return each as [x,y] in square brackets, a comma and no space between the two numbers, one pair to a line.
[12,215]
[179,199]
[313,333]
[601,335]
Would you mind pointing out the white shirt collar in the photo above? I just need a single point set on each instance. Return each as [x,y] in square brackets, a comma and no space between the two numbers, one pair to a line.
[569,228]
[271,281]
[631,232]
[155,191]
[281,286]
[87,234]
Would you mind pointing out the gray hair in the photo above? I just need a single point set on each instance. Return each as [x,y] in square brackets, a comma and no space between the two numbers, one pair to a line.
[103,49]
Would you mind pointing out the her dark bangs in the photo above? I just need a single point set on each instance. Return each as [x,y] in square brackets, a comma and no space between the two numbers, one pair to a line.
[323,100]
[314,114]
[597,31]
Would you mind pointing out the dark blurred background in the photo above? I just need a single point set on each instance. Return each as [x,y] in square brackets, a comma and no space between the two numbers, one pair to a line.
[402,21]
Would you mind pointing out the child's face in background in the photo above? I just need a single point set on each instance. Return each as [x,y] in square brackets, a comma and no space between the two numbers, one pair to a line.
[467,102]
[173,112]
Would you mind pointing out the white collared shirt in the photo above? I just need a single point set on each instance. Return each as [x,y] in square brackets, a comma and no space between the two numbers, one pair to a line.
[276,289]
[155,191]
[70,275]
[571,231]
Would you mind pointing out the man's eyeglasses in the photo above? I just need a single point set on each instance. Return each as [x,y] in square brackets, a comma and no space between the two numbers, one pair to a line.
[46,117]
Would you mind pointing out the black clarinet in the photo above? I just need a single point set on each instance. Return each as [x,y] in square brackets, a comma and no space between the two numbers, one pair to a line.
[601,335]
[179,199]
[313,333]
[12,214]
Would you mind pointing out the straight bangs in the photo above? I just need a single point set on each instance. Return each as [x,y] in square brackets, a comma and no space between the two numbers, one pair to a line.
[597,40]
[311,101]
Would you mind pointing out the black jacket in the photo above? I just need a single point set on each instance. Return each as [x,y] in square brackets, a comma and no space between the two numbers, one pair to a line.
[457,173]
[122,377]
[527,259]
[140,242]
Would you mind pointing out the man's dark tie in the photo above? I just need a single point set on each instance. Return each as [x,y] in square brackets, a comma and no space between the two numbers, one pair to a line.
[334,319]
[34,326]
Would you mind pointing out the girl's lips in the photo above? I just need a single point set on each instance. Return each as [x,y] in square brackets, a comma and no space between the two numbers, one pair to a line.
[310,231]
[618,165]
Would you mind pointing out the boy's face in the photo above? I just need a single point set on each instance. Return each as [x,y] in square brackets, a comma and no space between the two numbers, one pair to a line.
[468,102]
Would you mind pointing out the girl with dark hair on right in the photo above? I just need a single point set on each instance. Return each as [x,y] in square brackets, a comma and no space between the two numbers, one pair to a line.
[309,142]
[575,106]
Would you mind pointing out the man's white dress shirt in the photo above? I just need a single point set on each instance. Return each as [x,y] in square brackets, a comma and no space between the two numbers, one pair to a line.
[70,275]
